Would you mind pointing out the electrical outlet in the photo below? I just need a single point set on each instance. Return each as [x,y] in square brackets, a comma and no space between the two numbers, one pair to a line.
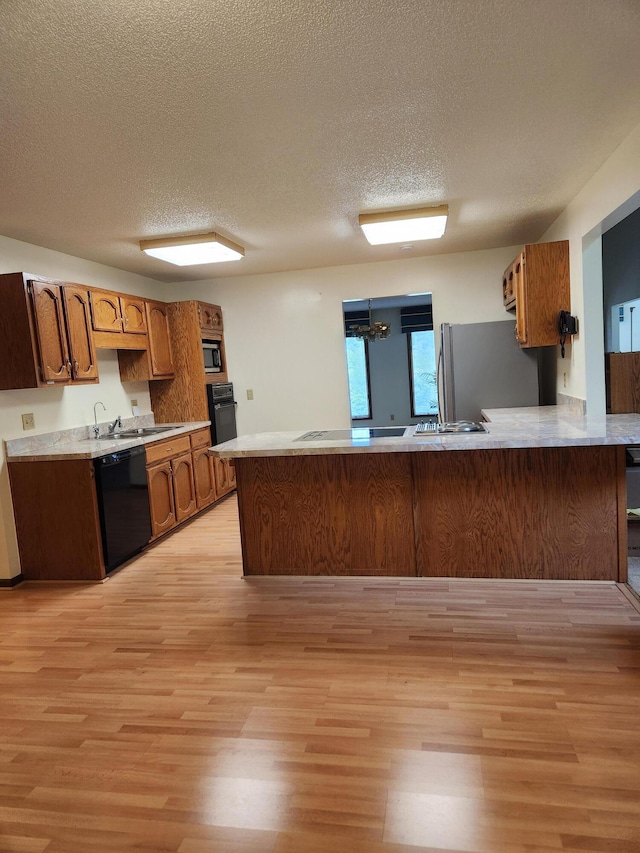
[28,421]
[134,403]
[564,380]
[393,417]
[249,393]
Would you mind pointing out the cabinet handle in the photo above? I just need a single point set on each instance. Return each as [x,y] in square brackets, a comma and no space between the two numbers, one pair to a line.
[69,368]
[76,366]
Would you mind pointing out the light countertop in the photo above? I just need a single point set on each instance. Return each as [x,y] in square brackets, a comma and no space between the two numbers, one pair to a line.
[77,443]
[537,426]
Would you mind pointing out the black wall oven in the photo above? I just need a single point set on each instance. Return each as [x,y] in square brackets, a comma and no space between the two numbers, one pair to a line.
[222,412]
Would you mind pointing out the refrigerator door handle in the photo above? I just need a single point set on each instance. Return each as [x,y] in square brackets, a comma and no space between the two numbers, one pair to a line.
[446,358]
[439,380]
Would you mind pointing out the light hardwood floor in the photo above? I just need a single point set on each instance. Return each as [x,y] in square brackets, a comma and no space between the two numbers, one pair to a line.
[178,707]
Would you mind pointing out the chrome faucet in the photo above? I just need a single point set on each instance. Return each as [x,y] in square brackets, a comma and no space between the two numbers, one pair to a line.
[117,423]
[96,428]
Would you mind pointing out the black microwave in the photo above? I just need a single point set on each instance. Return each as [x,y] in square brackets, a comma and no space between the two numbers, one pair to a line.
[212,356]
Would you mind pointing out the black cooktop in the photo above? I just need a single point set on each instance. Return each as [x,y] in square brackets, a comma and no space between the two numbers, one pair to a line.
[355,434]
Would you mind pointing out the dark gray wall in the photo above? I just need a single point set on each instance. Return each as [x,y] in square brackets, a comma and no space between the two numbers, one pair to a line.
[620,267]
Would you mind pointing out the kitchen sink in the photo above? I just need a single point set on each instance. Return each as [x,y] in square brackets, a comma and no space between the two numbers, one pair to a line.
[144,430]
[131,433]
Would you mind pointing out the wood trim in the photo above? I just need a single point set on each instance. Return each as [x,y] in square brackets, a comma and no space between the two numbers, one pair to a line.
[7,583]
[411,213]
[623,556]
[187,240]
[120,340]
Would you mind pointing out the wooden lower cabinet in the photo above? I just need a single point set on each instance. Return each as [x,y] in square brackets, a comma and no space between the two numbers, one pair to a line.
[204,477]
[161,498]
[183,487]
[538,513]
[171,493]
[225,472]
[57,520]
[63,541]
[181,479]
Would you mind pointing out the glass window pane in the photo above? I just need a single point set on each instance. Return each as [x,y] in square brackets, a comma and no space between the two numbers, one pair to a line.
[357,369]
[424,390]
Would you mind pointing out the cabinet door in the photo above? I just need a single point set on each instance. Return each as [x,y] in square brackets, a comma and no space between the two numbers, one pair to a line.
[204,477]
[210,317]
[160,356]
[183,487]
[50,332]
[521,300]
[225,475]
[82,352]
[161,500]
[134,317]
[106,315]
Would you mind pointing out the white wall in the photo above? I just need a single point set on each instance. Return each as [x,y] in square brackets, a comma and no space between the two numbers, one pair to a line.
[62,408]
[610,195]
[284,332]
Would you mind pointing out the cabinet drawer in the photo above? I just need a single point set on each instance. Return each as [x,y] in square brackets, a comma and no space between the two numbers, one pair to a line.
[168,449]
[201,438]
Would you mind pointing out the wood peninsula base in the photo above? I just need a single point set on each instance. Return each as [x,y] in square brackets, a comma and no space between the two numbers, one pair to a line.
[541,513]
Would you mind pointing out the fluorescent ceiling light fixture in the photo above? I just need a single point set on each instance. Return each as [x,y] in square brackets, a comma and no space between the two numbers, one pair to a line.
[195,249]
[398,226]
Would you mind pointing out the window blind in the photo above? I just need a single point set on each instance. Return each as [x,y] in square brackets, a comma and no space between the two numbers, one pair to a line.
[416,318]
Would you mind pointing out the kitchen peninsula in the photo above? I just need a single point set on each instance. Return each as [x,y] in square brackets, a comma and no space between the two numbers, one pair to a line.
[541,494]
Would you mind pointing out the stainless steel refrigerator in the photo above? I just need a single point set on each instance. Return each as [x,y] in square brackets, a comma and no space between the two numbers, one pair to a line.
[481,366]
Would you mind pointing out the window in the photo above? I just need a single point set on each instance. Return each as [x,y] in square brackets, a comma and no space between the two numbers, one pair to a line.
[358,373]
[422,373]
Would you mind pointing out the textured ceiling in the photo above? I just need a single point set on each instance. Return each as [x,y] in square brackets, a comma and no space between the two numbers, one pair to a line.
[275,122]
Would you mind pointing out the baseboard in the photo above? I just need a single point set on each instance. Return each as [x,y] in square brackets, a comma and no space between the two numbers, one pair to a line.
[8,582]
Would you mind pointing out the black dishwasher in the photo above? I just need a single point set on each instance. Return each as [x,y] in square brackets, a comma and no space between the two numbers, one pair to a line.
[123,503]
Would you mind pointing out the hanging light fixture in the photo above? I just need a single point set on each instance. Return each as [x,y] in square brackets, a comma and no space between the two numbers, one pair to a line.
[377,331]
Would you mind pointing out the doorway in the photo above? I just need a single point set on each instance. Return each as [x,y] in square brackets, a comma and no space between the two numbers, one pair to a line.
[391,360]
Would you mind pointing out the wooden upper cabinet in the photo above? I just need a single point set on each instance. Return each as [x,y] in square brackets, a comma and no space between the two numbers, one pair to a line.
[51,336]
[134,315]
[536,285]
[62,324]
[106,312]
[82,353]
[160,353]
[210,317]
